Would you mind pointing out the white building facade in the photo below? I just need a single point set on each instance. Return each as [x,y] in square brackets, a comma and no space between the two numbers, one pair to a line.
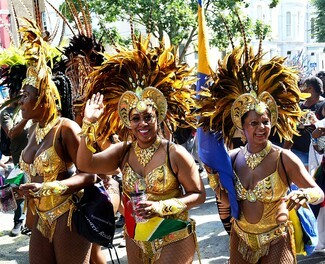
[292,25]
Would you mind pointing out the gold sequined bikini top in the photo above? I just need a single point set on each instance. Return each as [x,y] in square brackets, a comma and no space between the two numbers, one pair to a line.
[160,184]
[268,190]
[48,164]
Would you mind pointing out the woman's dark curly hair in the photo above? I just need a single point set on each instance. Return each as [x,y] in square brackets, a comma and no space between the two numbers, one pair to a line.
[64,86]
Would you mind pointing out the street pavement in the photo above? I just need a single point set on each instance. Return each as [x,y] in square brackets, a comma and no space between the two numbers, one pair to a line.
[213,240]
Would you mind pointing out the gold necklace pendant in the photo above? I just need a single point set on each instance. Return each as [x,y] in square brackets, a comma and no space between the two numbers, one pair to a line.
[41,132]
[254,159]
[145,155]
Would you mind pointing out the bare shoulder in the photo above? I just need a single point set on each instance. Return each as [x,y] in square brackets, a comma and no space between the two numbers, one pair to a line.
[69,126]
[177,151]
[288,155]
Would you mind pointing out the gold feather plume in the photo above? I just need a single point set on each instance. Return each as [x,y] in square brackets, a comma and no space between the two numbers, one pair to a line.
[142,66]
[241,72]
[38,53]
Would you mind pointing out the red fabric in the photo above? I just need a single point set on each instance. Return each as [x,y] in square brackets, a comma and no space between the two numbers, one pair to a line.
[129,219]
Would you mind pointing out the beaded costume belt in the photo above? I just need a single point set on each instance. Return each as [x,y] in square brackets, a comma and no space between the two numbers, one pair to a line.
[256,241]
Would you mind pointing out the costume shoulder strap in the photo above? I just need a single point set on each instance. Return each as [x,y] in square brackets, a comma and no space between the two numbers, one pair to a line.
[284,169]
[169,144]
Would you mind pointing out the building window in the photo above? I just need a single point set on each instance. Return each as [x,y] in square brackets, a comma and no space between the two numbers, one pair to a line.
[312,28]
[298,23]
[44,22]
[289,52]
[288,24]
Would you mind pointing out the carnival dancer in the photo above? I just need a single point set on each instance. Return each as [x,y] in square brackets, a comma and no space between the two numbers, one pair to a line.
[140,85]
[257,95]
[48,160]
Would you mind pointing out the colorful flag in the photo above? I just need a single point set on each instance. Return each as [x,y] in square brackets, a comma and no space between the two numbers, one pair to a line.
[211,148]
[151,229]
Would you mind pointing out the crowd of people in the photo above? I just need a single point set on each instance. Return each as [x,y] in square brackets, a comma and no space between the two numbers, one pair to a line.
[131,105]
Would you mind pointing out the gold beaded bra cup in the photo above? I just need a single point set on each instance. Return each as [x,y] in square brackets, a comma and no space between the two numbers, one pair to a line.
[41,132]
[144,156]
[254,159]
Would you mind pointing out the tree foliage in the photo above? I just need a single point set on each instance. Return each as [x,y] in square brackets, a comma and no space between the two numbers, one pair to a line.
[176,18]
[319,29]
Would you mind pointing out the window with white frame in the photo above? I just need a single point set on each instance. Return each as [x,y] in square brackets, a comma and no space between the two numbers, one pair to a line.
[288,24]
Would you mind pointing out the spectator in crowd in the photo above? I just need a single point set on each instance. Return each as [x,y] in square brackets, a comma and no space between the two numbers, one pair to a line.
[318,143]
[312,106]
[17,129]
[321,75]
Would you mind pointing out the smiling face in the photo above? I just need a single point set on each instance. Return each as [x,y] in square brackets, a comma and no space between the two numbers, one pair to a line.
[257,128]
[144,126]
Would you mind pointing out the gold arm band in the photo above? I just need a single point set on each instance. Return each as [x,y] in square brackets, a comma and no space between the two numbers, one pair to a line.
[214,180]
[50,188]
[88,131]
[313,196]
[169,207]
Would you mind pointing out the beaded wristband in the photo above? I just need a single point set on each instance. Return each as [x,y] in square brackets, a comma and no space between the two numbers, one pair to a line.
[311,195]
[88,130]
[169,207]
[50,188]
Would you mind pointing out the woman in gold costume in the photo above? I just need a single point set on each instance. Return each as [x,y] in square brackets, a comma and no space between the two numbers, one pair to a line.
[257,95]
[139,86]
[48,160]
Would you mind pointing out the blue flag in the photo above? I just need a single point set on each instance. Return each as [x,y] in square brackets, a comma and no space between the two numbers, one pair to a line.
[211,148]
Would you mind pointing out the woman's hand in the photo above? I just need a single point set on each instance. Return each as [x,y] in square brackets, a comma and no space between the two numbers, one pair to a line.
[27,188]
[295,199]
[145,209]
[94,108]
[318,132]
[312,117]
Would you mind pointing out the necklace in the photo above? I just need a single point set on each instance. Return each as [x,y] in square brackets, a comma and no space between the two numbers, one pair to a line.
[254,159]
[145,155]
[41,132]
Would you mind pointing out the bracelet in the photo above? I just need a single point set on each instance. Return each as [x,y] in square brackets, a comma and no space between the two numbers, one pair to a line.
[169,207]
[88,130]
[312,195]
[50,189]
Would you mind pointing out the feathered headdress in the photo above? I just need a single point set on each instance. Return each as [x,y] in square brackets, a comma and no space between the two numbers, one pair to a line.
[142,67]
[38,53]
[82,54]
[243,82]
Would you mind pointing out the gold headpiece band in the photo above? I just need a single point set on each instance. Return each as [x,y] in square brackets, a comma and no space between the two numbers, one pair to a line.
[31,77]
[140,100]
[248,102]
